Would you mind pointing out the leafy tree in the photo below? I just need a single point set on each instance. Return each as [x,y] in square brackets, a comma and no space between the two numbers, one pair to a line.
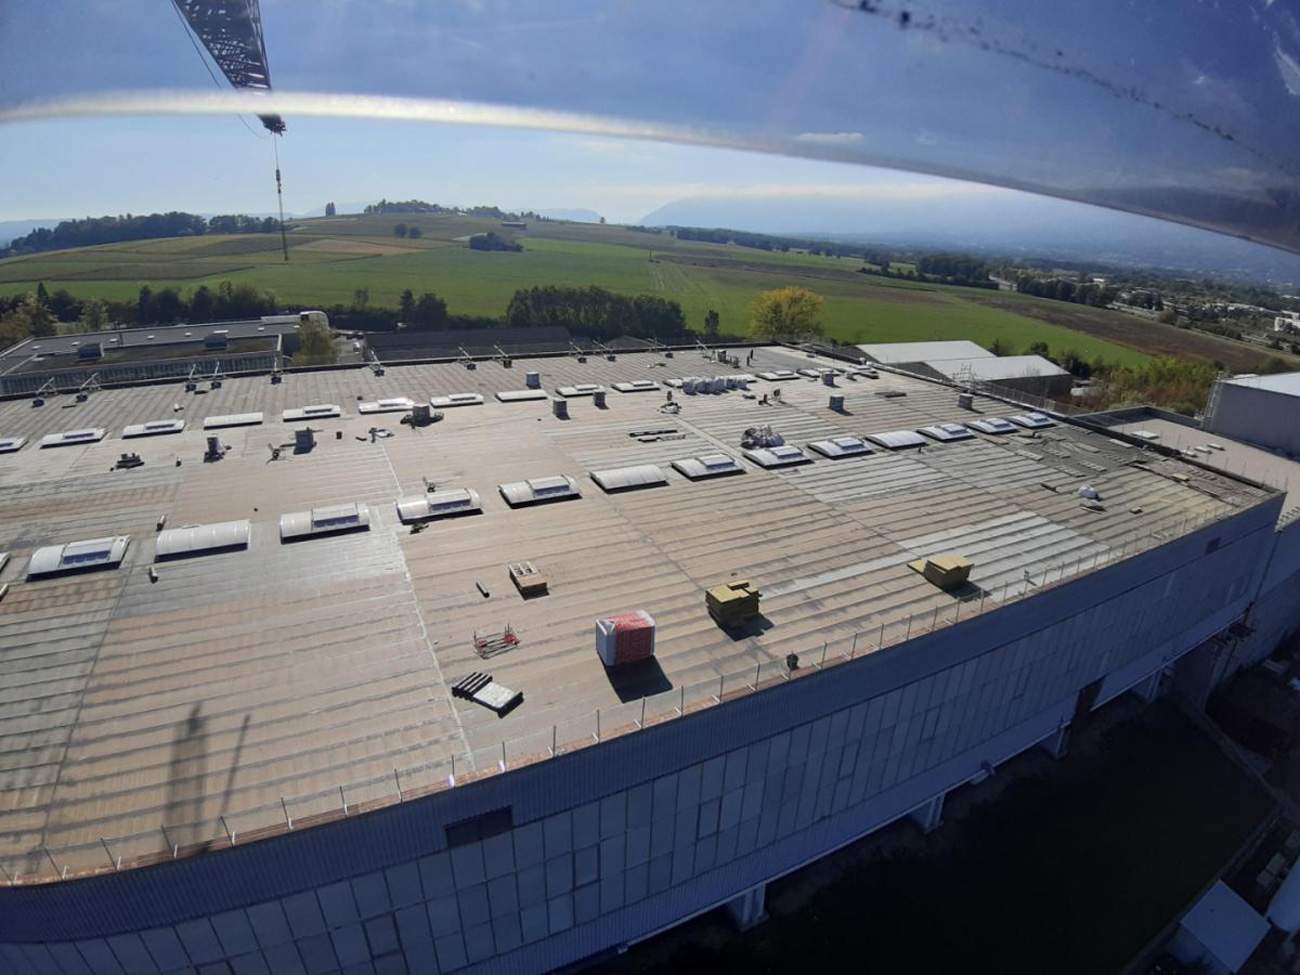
[65,307]
[360,299]
[789,313]
[315,345]
[168,308]
[144,306]
[94,315]
[400,230]
[430,311]
[1039,348]
[493,241]
[406,306]
[202,304]
[42,295]
[998,347]
[415,233]
[29,317]
[597,313]
[712,322]
[329,210]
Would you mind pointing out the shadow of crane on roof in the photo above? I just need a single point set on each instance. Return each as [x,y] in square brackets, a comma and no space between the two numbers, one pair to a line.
[187,775]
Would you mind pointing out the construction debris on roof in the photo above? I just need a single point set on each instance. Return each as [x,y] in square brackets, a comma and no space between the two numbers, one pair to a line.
[946,571]
[625,638]
[527,579]
[482,689]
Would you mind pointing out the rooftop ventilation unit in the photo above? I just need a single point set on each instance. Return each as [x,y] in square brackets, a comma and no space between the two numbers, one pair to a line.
[232,420]
[96,553]
[215,340]
[777,375]
[539,489]
[627,478]
[455,399]
[582,389]
[69,437]
[784,455]
[393,404]
[637,386]
[946,432]
[9,445]
[175,543]
[324,521]
[321,411]
[897,439]
[992,424]
[1033,421]
[91,350]
[841,447]
[522,395]
[439,504]
[153,428]
[708,465]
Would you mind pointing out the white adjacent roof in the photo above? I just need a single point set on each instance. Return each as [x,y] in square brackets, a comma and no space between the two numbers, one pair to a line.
[391,404]
[708,465]
[786,455]
[992,424]
[1287,383]
[319,411]
[197,539]
[88,435]
[232,420]
[438,504]
[625,478]
[153,428]
[898,352]
[944,432]
[92,553]
[897,439]
[637,386]
[522,395]
[1226,925]
[538,489]
[841,447]
[9,444]
[582,389]
[1033,421]
[996,368]
[456,399]
[324,521]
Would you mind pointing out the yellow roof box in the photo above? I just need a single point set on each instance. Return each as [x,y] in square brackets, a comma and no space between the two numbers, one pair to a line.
[947,571]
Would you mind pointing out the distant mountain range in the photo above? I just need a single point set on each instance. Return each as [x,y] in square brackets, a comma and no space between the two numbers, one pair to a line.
[995,223]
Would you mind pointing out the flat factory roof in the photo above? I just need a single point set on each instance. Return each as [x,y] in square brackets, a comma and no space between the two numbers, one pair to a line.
[1286,382]
[898,352]
[245,675]
[993,368]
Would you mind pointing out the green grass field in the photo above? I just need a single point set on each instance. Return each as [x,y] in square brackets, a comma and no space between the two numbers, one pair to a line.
[331,258]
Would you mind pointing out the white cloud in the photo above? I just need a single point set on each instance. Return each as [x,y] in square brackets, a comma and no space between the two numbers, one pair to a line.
[831,138]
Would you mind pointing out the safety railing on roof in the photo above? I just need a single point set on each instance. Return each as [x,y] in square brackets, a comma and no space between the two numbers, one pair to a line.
[161,840]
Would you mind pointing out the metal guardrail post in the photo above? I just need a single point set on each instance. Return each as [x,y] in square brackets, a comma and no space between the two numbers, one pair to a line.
[398,779]
[287,818]
[115,861]
[343,799]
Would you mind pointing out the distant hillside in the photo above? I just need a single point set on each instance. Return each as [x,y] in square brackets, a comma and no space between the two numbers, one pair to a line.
[994,222]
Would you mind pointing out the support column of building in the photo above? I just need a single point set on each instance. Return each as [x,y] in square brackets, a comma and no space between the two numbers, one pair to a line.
[1057,743]
[750,908]
[1149,688]
[929,815]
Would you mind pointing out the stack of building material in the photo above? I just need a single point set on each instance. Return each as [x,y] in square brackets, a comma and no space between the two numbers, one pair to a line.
[625,638]
[732,603]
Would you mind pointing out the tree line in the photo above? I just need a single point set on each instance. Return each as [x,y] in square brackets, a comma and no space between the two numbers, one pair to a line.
[596,313]
[90,231]
[1063,289]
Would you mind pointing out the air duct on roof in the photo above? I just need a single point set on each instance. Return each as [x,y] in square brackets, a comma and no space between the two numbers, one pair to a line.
[539,489]
[324,521]
[320,411]
[708,465]
[837,447]
[69,437]
[201,539]
[232,420]
[95,553]
[626,478]
[438,504]
[153,428]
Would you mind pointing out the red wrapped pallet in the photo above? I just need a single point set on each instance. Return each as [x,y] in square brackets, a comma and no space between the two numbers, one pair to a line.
[625,638]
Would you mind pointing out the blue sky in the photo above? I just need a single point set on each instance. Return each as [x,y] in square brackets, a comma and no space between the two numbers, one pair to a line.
[1170,106]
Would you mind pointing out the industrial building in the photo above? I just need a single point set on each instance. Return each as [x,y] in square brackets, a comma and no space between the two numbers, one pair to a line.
[80,362]
[310,678]
[1261,410]
[966,363]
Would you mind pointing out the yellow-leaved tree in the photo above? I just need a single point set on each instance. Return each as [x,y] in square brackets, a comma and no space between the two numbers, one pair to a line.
[789,313]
